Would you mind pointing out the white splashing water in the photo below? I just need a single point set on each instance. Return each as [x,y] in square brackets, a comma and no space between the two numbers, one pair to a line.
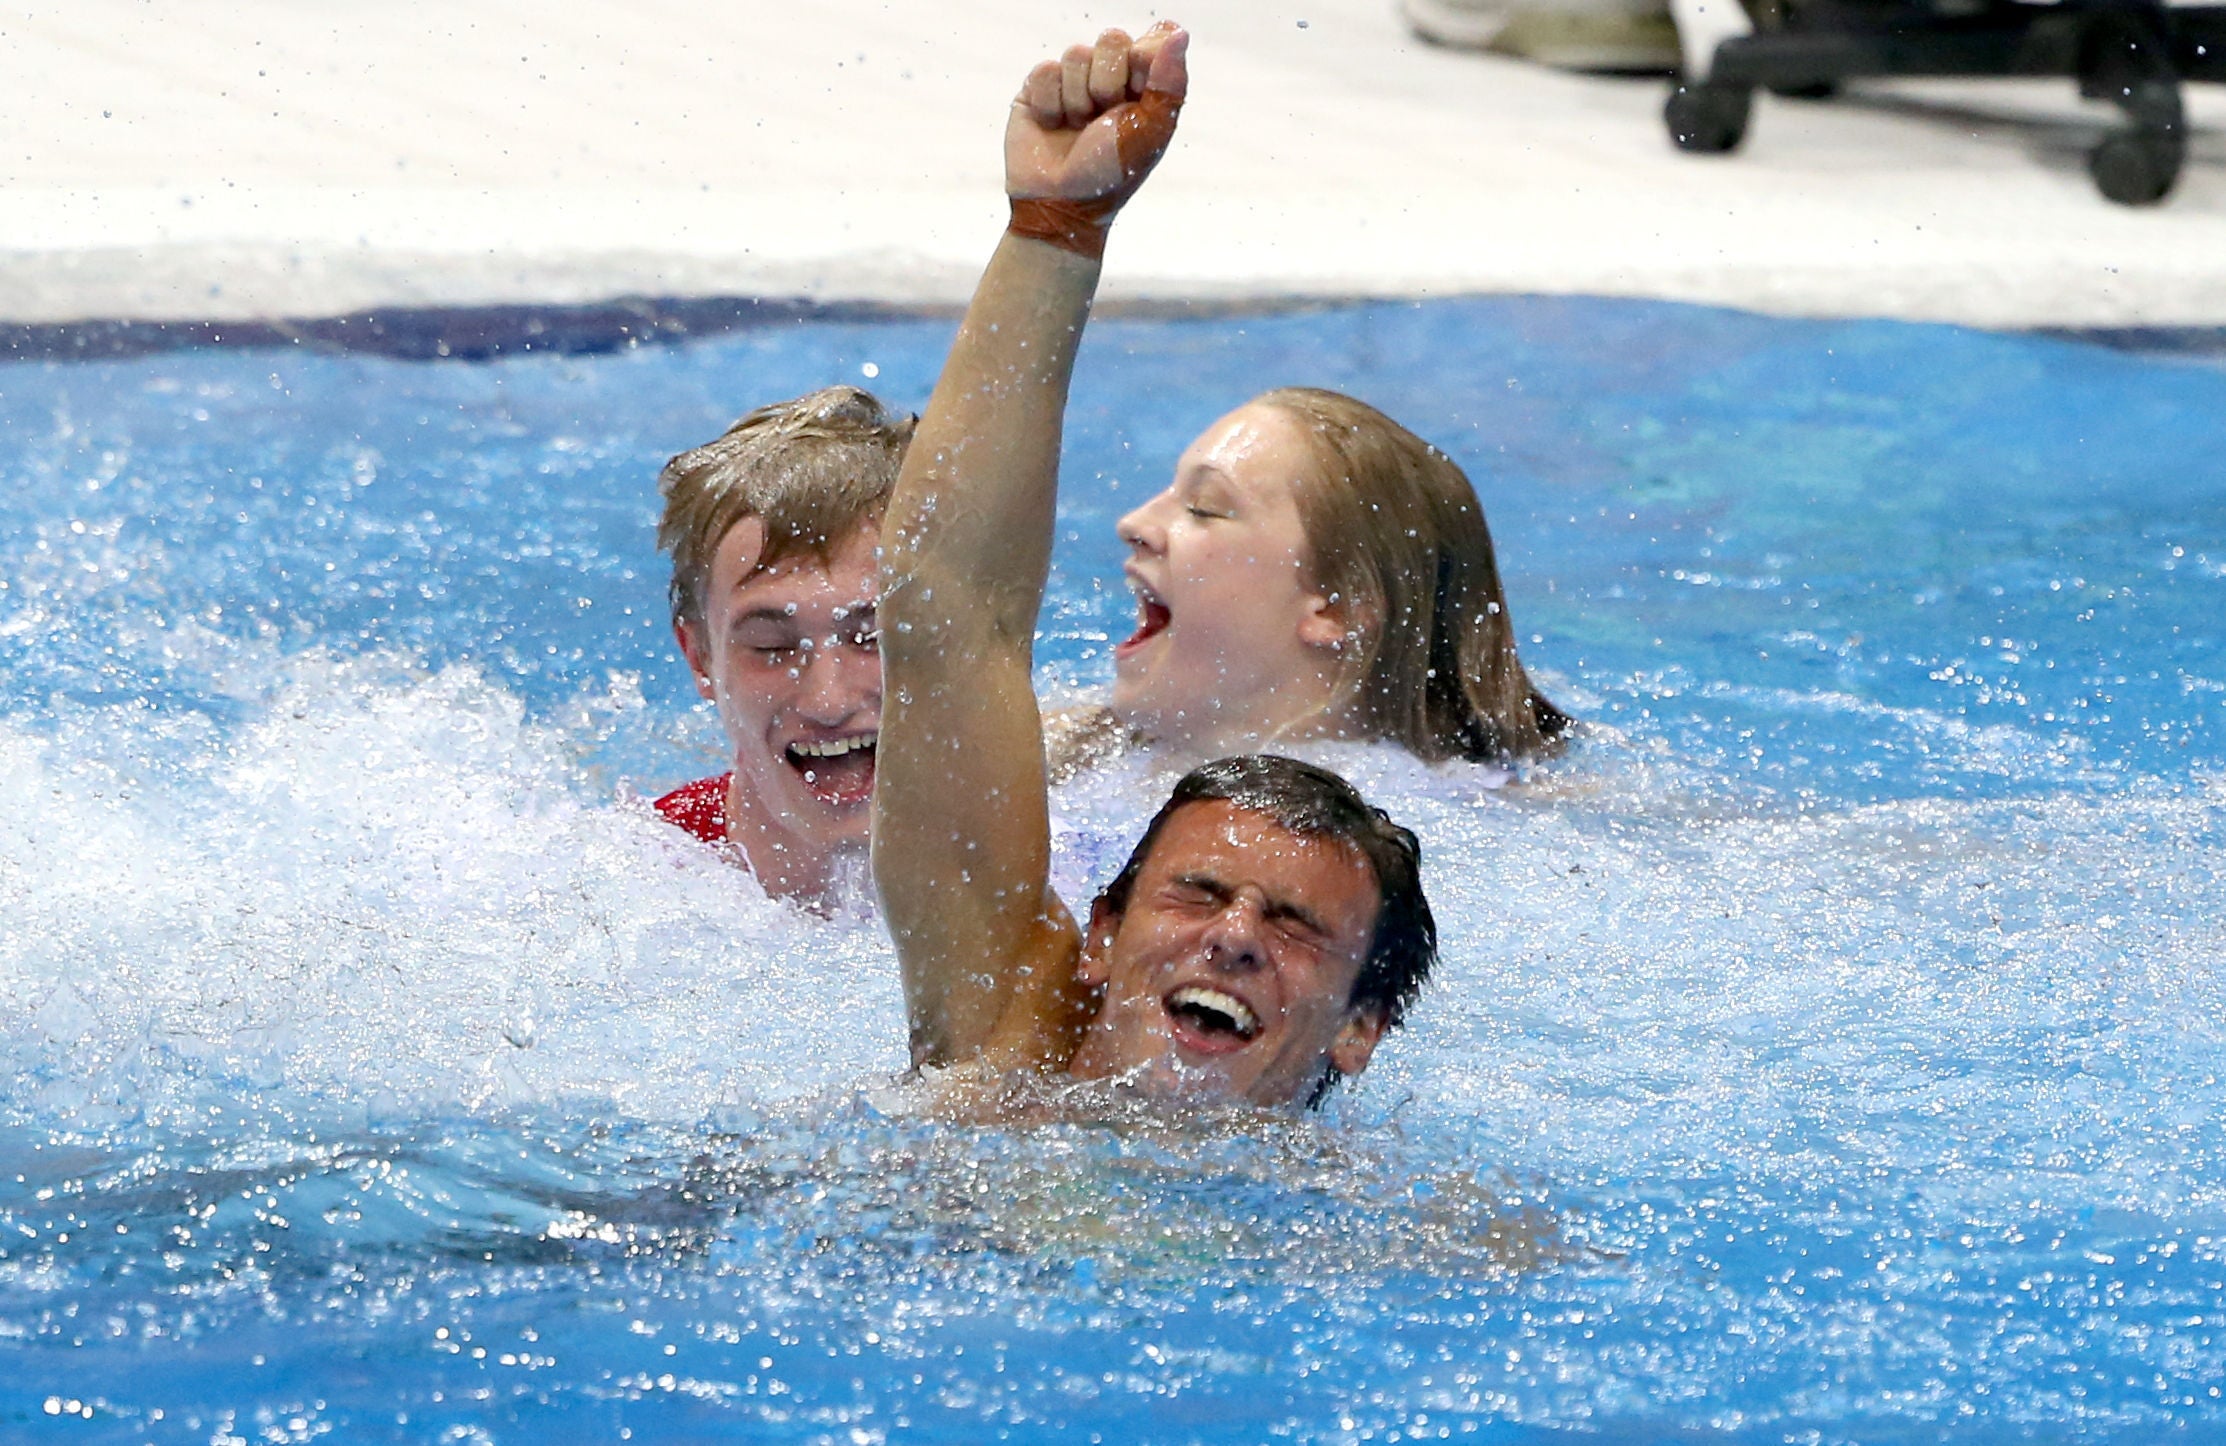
[393,893]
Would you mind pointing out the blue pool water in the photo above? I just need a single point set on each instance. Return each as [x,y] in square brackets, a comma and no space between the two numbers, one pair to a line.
[1831,1047]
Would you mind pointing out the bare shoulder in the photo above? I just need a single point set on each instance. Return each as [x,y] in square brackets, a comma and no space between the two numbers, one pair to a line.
[1079,739]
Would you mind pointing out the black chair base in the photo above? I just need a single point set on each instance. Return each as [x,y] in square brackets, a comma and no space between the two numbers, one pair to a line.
[2133,53]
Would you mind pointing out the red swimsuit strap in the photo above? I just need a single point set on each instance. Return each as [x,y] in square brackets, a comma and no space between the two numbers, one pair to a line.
[700,808]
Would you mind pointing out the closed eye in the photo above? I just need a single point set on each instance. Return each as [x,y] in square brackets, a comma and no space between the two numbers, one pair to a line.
[767,643]
[1299,924]
[1293,921]
[1198,889]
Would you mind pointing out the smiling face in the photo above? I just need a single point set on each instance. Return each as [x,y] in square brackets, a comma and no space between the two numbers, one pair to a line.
[1234,642]
[790,655]
[1230,971]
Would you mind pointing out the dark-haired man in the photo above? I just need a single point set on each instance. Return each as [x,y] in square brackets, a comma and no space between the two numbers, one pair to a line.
[1266,931]
[1270,927]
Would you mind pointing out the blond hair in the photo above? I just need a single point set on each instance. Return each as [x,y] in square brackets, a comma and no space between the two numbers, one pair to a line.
[813,470]
[1399,540]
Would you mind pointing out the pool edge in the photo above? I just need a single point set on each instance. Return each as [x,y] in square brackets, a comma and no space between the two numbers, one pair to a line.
[495,332]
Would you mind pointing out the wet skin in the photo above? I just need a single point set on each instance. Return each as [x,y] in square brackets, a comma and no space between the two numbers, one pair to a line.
[1235,645]
[791,657]
[1231,971]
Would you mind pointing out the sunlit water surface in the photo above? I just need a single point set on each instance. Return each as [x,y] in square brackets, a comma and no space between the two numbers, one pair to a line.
[1828,1048]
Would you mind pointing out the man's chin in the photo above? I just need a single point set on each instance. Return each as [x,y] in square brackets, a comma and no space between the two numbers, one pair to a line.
[830,828]
[1174,1079]
[789,806]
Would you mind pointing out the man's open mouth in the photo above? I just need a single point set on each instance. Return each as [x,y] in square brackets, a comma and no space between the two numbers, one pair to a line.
[836,770]
[1211,1020]
[1152,618]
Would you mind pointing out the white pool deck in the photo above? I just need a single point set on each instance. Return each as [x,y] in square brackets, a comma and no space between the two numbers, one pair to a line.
[234,159]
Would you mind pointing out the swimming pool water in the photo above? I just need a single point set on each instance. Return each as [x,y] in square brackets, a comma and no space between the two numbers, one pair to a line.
[1829,1048]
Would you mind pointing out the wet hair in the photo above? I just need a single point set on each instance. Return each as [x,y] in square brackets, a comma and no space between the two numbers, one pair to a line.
[1316,803]
[813,470]
[1398,539]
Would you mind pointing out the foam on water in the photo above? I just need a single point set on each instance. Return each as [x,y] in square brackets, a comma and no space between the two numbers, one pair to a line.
[1828,1047]
[384,890]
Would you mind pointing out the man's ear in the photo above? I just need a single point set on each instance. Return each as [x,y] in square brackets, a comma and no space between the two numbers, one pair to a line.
[690,637]
[1356,1042]
[1095,964]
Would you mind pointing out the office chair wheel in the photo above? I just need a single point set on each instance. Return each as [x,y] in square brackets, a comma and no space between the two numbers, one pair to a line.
[1707,118]
[2136,167]
[2126,59]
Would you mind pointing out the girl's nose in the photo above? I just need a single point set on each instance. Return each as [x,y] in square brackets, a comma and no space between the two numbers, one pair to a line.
[1142,529]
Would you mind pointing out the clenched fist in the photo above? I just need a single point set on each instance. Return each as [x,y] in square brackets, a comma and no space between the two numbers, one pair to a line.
[1087,129]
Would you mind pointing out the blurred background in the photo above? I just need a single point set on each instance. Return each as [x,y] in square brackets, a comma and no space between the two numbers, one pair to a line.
[306,159]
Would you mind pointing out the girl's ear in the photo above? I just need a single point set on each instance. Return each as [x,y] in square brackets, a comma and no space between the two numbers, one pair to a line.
[1331,623]
[690,637]
[1324,624]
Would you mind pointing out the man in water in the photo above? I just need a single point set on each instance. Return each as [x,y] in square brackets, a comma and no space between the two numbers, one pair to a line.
[1270,926]
[773,530]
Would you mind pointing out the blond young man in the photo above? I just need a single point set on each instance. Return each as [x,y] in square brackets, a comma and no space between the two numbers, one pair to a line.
[773,530]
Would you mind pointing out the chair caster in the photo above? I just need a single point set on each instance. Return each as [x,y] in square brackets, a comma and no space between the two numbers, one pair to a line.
[2126,60]
[1707,118]
[2137,167]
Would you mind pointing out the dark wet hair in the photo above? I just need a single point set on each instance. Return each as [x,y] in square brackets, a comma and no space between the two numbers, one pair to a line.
[814,469]
[1316,803]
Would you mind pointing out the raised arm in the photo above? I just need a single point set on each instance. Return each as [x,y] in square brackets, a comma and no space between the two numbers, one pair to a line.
[961,830]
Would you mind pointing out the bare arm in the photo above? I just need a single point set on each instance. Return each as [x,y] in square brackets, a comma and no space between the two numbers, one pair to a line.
[961,828]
